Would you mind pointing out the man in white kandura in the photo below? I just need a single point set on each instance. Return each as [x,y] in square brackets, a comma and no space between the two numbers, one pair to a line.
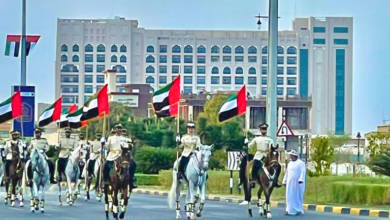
[294,180]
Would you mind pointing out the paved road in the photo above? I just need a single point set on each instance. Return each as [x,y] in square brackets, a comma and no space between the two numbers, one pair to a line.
[146,207]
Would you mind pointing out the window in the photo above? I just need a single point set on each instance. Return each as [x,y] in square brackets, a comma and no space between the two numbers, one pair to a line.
[318,41]
[187,79]
[70,89]
[263,80]
[291,81]
[226,80]
[280,50]
[239,70]
[201,69]
[291,70]
[75,58]
[150,59]
[88,68]
[227,58]
[187,69]
[149,79]
[291,60]
[252,59]
[176,49]
[239,50]
[163,48]
[88,58]
[264,60]
[88,48]
[69,79]
[279,91]
[123,59]
[98,88]
[280,70]
[100,68]
[101,58]
[297,117]
[252,80]
[119,69]
[279,81]
[88,89]
[340,29]
[226,70]
[188,49]
[280,60]
[252,70]
[215,80]
[175,69]
[150,49]
[176,59]
[187,59]
[201,80]
[100,78]
[340,41]
[149,69]
[75,48]
[69,68]
[252,50]
[215,49]
[215,70]
[227,49]
[263,91]
[214,59]
[201,49]
[69,99]
[101,48]
[201,59]
[114,59]
[64,48]
[163,59]
[162,79]
[291,50]
[187,90]
[239,58]
[239,80]
[264,50]
[123,49]
[64,58]
[88,78]
[114,48]
[264,70]
[319,29]
[163,69]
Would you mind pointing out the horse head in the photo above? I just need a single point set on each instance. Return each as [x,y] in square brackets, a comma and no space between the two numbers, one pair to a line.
[205,154]
[37,159]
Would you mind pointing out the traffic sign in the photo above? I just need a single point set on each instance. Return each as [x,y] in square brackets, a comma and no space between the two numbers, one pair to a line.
[285,130]
[234,160]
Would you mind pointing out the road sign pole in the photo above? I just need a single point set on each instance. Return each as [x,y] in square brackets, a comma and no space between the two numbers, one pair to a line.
[231,182]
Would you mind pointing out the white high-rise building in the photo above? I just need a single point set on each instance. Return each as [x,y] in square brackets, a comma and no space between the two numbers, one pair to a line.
[314,63]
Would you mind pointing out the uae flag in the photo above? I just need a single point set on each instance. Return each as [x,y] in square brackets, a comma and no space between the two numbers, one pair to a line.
[63,119]
[12,45]
[52,113]
[97,105]
[11,108]
[233,106]
[31,41]
[74,119]
[165,99]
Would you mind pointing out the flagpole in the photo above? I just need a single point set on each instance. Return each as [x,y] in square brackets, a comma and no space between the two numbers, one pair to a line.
[177,129]
[102,155]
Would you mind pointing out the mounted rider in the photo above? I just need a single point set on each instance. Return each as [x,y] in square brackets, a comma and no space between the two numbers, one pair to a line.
[94,149]
[133,165]
[189,143]
[14,147]
[66,146]
[41,144]
[84,146]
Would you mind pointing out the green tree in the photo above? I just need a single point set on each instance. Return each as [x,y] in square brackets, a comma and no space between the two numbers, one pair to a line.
[322,155]
[381,163]
[378,143]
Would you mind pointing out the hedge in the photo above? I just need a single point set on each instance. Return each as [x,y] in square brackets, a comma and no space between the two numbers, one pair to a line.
[361,193]
[147,179]
[152,159]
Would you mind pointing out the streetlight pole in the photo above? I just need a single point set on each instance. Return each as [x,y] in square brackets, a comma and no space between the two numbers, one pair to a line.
[271,102]
[307,147]
[23,54]
[358,146]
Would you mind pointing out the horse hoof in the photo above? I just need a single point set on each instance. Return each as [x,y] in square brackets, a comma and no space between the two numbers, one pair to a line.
[122,215]
[178,216]
[42,211]
[250,212]
[86,198]
[269,215]
[198,214]
[32,210]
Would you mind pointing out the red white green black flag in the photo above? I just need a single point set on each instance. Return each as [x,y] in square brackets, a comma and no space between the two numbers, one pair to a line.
[235,105]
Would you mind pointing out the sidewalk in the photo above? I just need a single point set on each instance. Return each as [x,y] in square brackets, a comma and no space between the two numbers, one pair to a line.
[276,204]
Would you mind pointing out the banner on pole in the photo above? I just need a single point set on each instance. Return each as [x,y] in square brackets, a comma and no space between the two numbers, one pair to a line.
[28,104]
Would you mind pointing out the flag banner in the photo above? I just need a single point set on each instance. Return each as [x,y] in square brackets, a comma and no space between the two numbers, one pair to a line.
[31,41]
[74,119]
[165,99]
[97,105]
[12,45]
[63,122]
[11,108]
[235,105]
[50,114]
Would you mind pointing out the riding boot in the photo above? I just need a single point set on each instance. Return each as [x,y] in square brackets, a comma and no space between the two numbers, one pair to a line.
[134,182]
[51,169]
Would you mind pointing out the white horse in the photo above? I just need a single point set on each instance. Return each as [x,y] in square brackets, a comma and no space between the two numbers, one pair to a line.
[72,174]
[39,180]
[196,191]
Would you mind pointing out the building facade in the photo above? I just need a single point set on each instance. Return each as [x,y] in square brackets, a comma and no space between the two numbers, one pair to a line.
[314,63]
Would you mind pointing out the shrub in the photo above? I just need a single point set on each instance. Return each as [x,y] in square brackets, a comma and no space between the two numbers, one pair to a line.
[147,179]
[218,160]
[152,159]
[360,193]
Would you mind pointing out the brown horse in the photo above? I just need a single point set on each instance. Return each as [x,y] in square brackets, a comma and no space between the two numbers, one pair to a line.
[116,180]
[266,181]
[13,176]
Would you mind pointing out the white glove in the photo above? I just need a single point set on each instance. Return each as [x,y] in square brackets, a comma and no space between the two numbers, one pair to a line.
[58,145]
[23,145]
[246,141]
[103,140]
[178,139]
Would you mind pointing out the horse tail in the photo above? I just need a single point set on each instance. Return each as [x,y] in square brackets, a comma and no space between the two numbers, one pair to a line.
[172,192]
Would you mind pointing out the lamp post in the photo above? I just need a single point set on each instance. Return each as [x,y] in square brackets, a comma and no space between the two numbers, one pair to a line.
[301,146]
[307,147]
[358,146]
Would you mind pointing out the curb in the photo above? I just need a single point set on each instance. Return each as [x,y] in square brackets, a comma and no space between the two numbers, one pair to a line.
[276,204]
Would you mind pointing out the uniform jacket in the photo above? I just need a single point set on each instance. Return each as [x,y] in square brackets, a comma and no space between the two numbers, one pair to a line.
[66,147]
[263,144]
[189,144]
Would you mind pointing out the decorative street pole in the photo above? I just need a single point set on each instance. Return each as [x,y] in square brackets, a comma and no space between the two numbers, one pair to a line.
[23,54]
[271,102]
[358,146]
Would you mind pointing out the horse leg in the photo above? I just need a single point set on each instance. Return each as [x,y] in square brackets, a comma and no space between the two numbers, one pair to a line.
[267,203]
[88,180]
[6,198]
[32,196]
[106,205]
[59,190]
[178,189]
[13,191]
[42,204]
[202,193]
[248,192]
[69,191]
[21,200]
[124,202]
[259,202]
[193,192]
[115,203]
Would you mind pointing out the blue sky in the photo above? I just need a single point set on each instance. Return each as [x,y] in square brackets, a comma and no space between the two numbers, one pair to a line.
[371,37]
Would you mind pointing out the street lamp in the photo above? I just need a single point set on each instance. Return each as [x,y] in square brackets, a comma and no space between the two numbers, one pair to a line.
[358,145]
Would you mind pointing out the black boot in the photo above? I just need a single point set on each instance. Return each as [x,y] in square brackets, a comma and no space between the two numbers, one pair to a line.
[134,182]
